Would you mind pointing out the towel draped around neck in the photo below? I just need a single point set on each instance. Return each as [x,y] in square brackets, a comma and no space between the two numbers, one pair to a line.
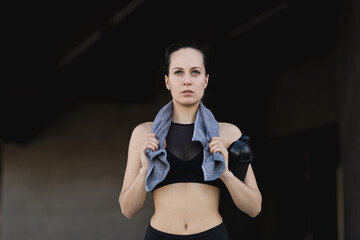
[206,127]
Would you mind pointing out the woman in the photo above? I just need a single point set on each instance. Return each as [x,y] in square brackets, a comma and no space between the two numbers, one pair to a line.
[186,206]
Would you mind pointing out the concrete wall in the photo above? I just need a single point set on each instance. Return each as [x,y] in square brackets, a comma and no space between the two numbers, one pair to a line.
[65,184]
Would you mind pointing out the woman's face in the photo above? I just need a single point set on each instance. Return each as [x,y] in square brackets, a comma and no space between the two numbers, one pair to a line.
[187,78]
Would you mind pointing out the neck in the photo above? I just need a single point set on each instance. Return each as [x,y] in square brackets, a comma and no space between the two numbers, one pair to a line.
[184,114]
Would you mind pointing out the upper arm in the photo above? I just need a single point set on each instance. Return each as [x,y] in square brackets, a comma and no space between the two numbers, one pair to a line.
[230,133]
[133,164]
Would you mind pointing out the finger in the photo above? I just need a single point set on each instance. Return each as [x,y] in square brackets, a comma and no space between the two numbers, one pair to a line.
[215,138]
[219,148]
[152,141]
[152,136]
[153,145]
[216,149]
[214,142]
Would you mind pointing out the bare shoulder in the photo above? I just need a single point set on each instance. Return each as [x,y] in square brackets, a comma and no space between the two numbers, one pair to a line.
[142,129]
[229,132]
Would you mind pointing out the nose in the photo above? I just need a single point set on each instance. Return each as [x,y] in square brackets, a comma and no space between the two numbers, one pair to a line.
[187,80]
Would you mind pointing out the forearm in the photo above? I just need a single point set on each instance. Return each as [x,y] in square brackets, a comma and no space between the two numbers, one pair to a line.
[246,198]
[133,198]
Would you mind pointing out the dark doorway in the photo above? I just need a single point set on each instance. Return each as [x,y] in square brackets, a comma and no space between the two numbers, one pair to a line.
[297,176]
[306,184]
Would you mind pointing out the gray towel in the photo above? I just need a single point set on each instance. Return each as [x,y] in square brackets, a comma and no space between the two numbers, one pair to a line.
[205,128]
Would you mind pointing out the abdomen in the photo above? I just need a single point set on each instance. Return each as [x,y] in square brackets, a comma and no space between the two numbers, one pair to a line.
[186,208]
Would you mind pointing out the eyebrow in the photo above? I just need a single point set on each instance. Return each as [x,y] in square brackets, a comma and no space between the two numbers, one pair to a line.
[183,68]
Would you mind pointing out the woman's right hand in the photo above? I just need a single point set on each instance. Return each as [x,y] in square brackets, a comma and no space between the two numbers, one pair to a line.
[150,142]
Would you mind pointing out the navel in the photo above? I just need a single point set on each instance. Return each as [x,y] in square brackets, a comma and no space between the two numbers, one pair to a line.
[186,226]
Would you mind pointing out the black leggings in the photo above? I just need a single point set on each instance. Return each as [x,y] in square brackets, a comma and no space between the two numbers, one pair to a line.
[216,233]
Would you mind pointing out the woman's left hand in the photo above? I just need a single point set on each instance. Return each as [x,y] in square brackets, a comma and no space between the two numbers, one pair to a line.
[216,145]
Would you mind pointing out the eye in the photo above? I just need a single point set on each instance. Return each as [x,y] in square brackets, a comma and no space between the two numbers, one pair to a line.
[178,72]
[195,72]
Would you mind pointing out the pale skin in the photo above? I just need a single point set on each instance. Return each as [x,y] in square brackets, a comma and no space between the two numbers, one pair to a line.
[185,208]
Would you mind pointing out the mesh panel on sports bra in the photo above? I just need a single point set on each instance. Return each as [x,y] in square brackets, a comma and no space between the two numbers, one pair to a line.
[178,141]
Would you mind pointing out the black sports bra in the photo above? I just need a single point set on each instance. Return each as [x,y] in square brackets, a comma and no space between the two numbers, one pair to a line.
[185,157]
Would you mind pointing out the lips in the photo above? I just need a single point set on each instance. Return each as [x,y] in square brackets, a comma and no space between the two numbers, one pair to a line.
[187,91]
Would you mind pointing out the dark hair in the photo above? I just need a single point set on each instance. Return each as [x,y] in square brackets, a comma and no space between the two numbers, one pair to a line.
[194,44]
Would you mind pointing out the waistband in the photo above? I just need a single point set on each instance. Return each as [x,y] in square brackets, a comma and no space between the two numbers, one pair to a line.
[202,235]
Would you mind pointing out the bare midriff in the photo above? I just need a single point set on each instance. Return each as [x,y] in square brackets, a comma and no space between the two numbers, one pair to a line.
[186,208]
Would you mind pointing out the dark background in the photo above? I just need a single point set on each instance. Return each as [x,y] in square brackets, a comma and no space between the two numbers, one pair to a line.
[122,65]
[251,42]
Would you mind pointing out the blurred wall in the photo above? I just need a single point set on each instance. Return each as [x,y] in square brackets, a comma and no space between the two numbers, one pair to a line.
[65,184]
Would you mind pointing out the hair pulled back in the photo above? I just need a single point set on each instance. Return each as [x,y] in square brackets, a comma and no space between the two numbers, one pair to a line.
[188,43]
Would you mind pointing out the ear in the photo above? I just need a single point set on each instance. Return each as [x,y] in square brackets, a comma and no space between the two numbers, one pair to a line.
[167,82]
[206,80]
